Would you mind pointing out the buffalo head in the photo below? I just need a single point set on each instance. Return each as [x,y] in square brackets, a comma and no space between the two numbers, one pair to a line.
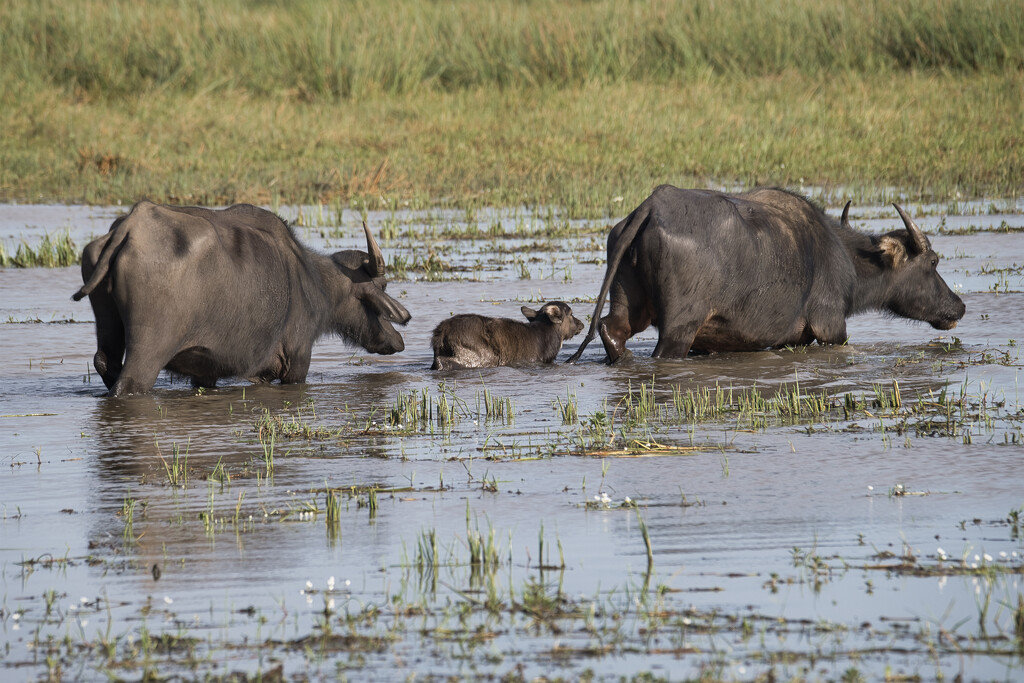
[914,287]
[366,315]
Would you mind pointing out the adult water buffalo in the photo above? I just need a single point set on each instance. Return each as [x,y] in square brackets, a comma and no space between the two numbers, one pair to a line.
[226,293]
[763,269]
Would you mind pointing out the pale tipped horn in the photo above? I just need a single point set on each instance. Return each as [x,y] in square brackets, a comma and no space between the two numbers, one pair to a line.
[920,241]
[376,262]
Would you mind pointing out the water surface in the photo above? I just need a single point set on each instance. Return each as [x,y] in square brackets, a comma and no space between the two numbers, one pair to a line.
[880,539]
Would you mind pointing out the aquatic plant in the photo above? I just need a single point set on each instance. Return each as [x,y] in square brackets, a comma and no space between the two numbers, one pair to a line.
[57,251]
[177,468]
[495,408]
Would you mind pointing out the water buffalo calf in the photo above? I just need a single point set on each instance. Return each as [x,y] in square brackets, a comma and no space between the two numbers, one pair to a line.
[468,340]
[763,269]
[226,293]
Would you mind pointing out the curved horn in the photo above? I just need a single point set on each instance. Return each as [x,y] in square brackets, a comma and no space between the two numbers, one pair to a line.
[844,221]
[920,241]
[376,262]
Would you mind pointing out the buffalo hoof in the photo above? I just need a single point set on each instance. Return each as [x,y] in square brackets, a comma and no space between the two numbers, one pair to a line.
[625,356]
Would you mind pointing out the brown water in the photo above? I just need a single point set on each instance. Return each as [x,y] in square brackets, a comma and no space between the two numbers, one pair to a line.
[776,546]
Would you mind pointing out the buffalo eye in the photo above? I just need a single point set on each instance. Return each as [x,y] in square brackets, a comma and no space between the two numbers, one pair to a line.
[935,261]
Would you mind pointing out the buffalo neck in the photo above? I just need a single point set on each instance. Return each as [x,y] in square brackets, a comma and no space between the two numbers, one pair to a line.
[872,280]
[320,285]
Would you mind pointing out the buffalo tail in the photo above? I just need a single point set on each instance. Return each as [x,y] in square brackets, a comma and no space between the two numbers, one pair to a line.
[634,223]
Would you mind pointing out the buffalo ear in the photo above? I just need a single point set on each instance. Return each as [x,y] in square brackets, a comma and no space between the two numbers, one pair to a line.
[893,251]
[528,312]
[554,313]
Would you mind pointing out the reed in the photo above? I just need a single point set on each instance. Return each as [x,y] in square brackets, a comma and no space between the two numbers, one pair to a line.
[312,49]
[332,504]
[493,408]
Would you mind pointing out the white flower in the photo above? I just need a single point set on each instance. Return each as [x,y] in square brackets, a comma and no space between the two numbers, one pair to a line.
[168,600]
[987,557]
[628,501]
[330,604]
[941,553]
[309,585]
[330,583]
[347,582]
[871,488]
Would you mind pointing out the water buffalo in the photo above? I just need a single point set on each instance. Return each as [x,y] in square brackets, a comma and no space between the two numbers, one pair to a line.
[763,269]
[468,340]
[226,293]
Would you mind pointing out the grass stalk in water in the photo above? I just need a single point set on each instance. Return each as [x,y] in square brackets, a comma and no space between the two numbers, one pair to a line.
[177,469]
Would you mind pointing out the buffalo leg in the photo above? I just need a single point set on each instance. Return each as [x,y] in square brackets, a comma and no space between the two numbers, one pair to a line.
[825,333]
[295,367]
[109,327]
[614,333]
[628,314]
[677,332]
[619,325]
[109,339]
[147,354]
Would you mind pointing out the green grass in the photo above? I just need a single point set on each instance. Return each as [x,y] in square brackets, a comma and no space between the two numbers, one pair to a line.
[56,251]
[583,106]
[312,50]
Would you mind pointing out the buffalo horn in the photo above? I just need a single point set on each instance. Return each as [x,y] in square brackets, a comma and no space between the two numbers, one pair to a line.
[376,261]
[845,220]
[920,241]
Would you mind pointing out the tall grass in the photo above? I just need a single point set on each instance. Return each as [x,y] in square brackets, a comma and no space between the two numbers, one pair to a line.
[585,106]
[318,49]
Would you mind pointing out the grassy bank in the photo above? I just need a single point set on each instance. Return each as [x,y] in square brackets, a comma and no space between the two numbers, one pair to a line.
[572,104]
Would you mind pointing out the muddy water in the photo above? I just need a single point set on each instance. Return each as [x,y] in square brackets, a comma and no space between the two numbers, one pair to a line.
[807,546]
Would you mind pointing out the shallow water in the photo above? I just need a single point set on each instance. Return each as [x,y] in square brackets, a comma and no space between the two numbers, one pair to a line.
[807,546]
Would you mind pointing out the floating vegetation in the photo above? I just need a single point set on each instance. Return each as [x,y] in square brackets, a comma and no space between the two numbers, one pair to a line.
[291,426]
[933,412]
